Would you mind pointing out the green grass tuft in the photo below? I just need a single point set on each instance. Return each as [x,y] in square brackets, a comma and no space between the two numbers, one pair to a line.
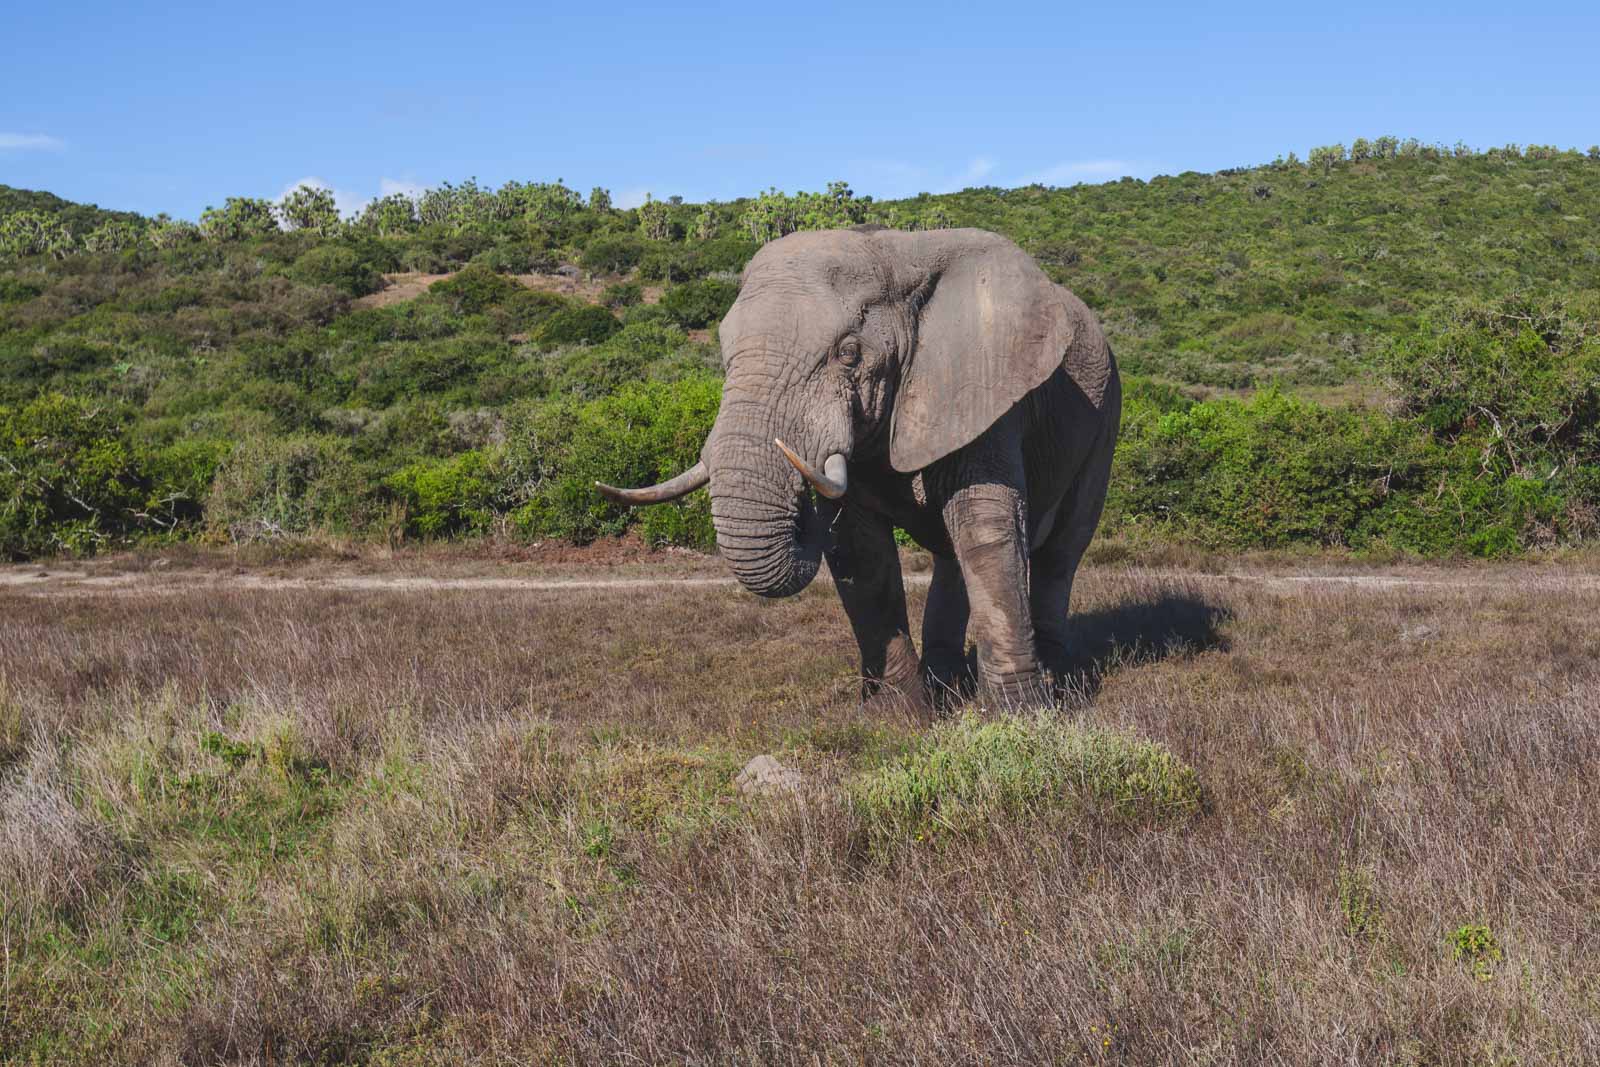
[968,770]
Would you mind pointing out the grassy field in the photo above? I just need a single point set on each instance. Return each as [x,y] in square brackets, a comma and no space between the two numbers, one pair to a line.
[249,814]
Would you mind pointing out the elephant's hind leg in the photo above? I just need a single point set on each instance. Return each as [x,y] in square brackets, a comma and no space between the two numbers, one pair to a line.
[944,632]
[1055,564]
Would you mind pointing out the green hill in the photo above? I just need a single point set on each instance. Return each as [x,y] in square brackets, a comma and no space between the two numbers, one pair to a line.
[81,219]
[234,377]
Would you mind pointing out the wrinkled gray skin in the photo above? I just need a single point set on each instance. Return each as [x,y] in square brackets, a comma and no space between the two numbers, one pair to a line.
[976,404]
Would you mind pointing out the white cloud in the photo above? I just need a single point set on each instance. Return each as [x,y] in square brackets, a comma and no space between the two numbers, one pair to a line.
[630,198]
[978,169]
[392,186]
[1086,170]
[26,141]
[348,203]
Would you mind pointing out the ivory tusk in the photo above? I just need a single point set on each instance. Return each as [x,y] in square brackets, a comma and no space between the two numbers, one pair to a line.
[671,489]
[834,480]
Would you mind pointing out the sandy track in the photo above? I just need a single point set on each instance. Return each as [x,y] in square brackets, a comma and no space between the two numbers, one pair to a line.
[36,581]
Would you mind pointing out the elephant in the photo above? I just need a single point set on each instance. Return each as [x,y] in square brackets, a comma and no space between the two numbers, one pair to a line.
[934,381]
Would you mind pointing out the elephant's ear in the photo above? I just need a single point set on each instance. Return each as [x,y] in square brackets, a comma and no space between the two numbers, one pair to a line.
[991,327]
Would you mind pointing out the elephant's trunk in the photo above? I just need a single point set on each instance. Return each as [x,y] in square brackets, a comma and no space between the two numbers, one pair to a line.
[766,527]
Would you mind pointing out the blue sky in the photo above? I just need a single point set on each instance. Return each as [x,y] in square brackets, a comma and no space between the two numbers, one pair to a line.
[154,107]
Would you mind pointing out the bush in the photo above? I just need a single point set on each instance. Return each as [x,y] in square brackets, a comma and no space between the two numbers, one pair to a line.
[338,266]
[969,771]
[1521,376]
[640,435]
[1475,946]
[69,478]
[613,254]
[276,486]
[17,290]
[584,324]
[698,304]
[596,370]
[474,289]
[622,295]
[640,314]
[516,258]
[726,253]
[461,494]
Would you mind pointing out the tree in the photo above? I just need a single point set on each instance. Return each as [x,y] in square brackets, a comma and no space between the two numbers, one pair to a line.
[654,221]
[168,232]
[705,223]
[309,207]
[459,207]
[35,233]
[395,213]
[599,199]
[239,218]
[112,236]
[541,202]
[775,214]
[1326,156]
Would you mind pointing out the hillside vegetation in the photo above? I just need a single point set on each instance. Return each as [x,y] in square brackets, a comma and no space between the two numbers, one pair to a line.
[224,379]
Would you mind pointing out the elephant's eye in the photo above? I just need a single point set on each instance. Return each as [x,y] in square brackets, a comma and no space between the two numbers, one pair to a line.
[849,353]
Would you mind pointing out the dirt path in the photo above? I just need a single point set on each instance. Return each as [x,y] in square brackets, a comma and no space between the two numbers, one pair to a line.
[37,581]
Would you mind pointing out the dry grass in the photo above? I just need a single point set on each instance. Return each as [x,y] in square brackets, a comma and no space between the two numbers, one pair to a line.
[254,826]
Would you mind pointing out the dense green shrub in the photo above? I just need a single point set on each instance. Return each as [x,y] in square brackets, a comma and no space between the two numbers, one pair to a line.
[15,290]
[412,320]
[1523,376]
[616,297]
[725,253]
[474,289]
[615,253]
[461,494]
[583,324]
[592,371]
[640,435]
[697,304]
[338,266]
[69,477]
[273,486]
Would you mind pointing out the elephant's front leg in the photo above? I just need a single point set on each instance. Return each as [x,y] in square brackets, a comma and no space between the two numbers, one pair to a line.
[988,523]
[866,571]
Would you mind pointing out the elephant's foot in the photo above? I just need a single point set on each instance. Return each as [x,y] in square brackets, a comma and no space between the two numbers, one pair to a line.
[1019,690]
[900,688]
[911,702]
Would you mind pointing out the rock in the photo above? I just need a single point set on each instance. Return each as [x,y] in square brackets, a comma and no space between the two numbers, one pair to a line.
[765,776]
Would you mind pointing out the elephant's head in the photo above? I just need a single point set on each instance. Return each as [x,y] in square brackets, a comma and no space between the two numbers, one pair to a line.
[863,347]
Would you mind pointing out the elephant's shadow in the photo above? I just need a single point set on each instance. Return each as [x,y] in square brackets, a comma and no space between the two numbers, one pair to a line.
[1108,640]
[1138,632]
